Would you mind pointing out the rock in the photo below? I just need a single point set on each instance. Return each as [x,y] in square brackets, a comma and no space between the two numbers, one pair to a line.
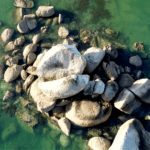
[93,56]
[60,18]
[28,82]
[10,46]
[31,70]
[1,71]
[24,75]
[135,61]
[141,88]
[12,60]
[24,3]
[44,103]
[8,95]
[112,70]
[12,73]
[98,143]
[19,41]
[36,39]
[87,113]
[22,26]
[31,58]
[127,102]
[61,61]
[89,88]
[30,48]
[31,23]
[63,32]
[7,35]
[18,88]
[64,87]
[138,46]
[64,125]
[110,91]
[45,11]
[125,80]
[29,16]
[131,134]
[19,12]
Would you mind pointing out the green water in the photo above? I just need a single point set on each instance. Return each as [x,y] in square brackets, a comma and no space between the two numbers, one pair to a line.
[130,17]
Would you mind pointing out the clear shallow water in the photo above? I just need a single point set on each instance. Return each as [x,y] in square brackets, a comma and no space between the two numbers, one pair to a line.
[129,17]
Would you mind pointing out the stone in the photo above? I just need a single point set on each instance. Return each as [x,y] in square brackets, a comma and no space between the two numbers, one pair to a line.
[30,48]
[94,57]
[24,75]
[87,113]
[28,82]
[10,46]
[63,32]
[98,143]
[127,102]
[31,70]
[31,58]
[141,88]
[12,73]
[64,87]
[44,103]
[24,3]
[61,61]
[64,125]
[125,80]
[8,95]
[12,60]
[31,23]
[135,61]
[45,11]
[110,91]
[19,41]
[139,46]
[89,88]
[22,26]
[7,35]
[131,135]
[19,12]
[36,38]
[29,16]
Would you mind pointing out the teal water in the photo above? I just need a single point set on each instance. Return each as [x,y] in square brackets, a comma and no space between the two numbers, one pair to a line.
[131,18]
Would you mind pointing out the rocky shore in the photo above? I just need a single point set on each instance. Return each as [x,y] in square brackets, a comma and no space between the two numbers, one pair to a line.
[78,82]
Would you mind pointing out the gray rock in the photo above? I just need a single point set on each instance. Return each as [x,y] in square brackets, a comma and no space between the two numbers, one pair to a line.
[45,11]
[19,41]
[112,70]
[98,143]
[125,80]
[61,61]
[141,88]
[22,26]
[131,135]
[87,113]
[24,3]
[63,32]
[93,56]
[7,35]
[31,58]
[110,91]
[12,73]
[8,95]
[64,87]
[135,61]
[31,23]
[127,102]
[28,82]
[29,16]
[24,75]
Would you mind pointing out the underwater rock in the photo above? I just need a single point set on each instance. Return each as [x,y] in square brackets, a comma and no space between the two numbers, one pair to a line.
[64,87]
[31,70]
[135,61]
[45,11]
[86,113]
[7,35]
[131,135]
[127,102]
[63,32]
[141,88]
[8,95]
[12,73]
[64,141]
[138,46]
[93,56]
[24,3]
[61,61]
[19,41]
[98,143]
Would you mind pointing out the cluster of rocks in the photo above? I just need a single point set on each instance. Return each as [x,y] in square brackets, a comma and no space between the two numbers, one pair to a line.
[75,88]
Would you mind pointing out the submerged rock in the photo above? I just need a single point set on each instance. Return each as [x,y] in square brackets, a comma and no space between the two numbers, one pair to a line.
[93,56]
[135,61]
[98,143]
[8,95]
[24,3]
[7,35]
[131,135]
[61,61]
[87,113]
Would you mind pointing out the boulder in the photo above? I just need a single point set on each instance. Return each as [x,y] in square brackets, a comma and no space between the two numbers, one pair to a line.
[110,91]
[131,135]
[141,88]
[45,11]
[7,35]
[44,103]
[31,23]
[135,61]
[12,73]
[24,3]
[63,32]
[127,102]
[24,75]
[93,56]
[31,58]
[64,125]
[19,41]
[64,87]
[28,82]
[98,143]
[10,46]
[86,113]
[61,61]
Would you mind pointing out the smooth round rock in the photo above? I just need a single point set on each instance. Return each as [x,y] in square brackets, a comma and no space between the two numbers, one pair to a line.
[135,61]
[7,35]
[31,58]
